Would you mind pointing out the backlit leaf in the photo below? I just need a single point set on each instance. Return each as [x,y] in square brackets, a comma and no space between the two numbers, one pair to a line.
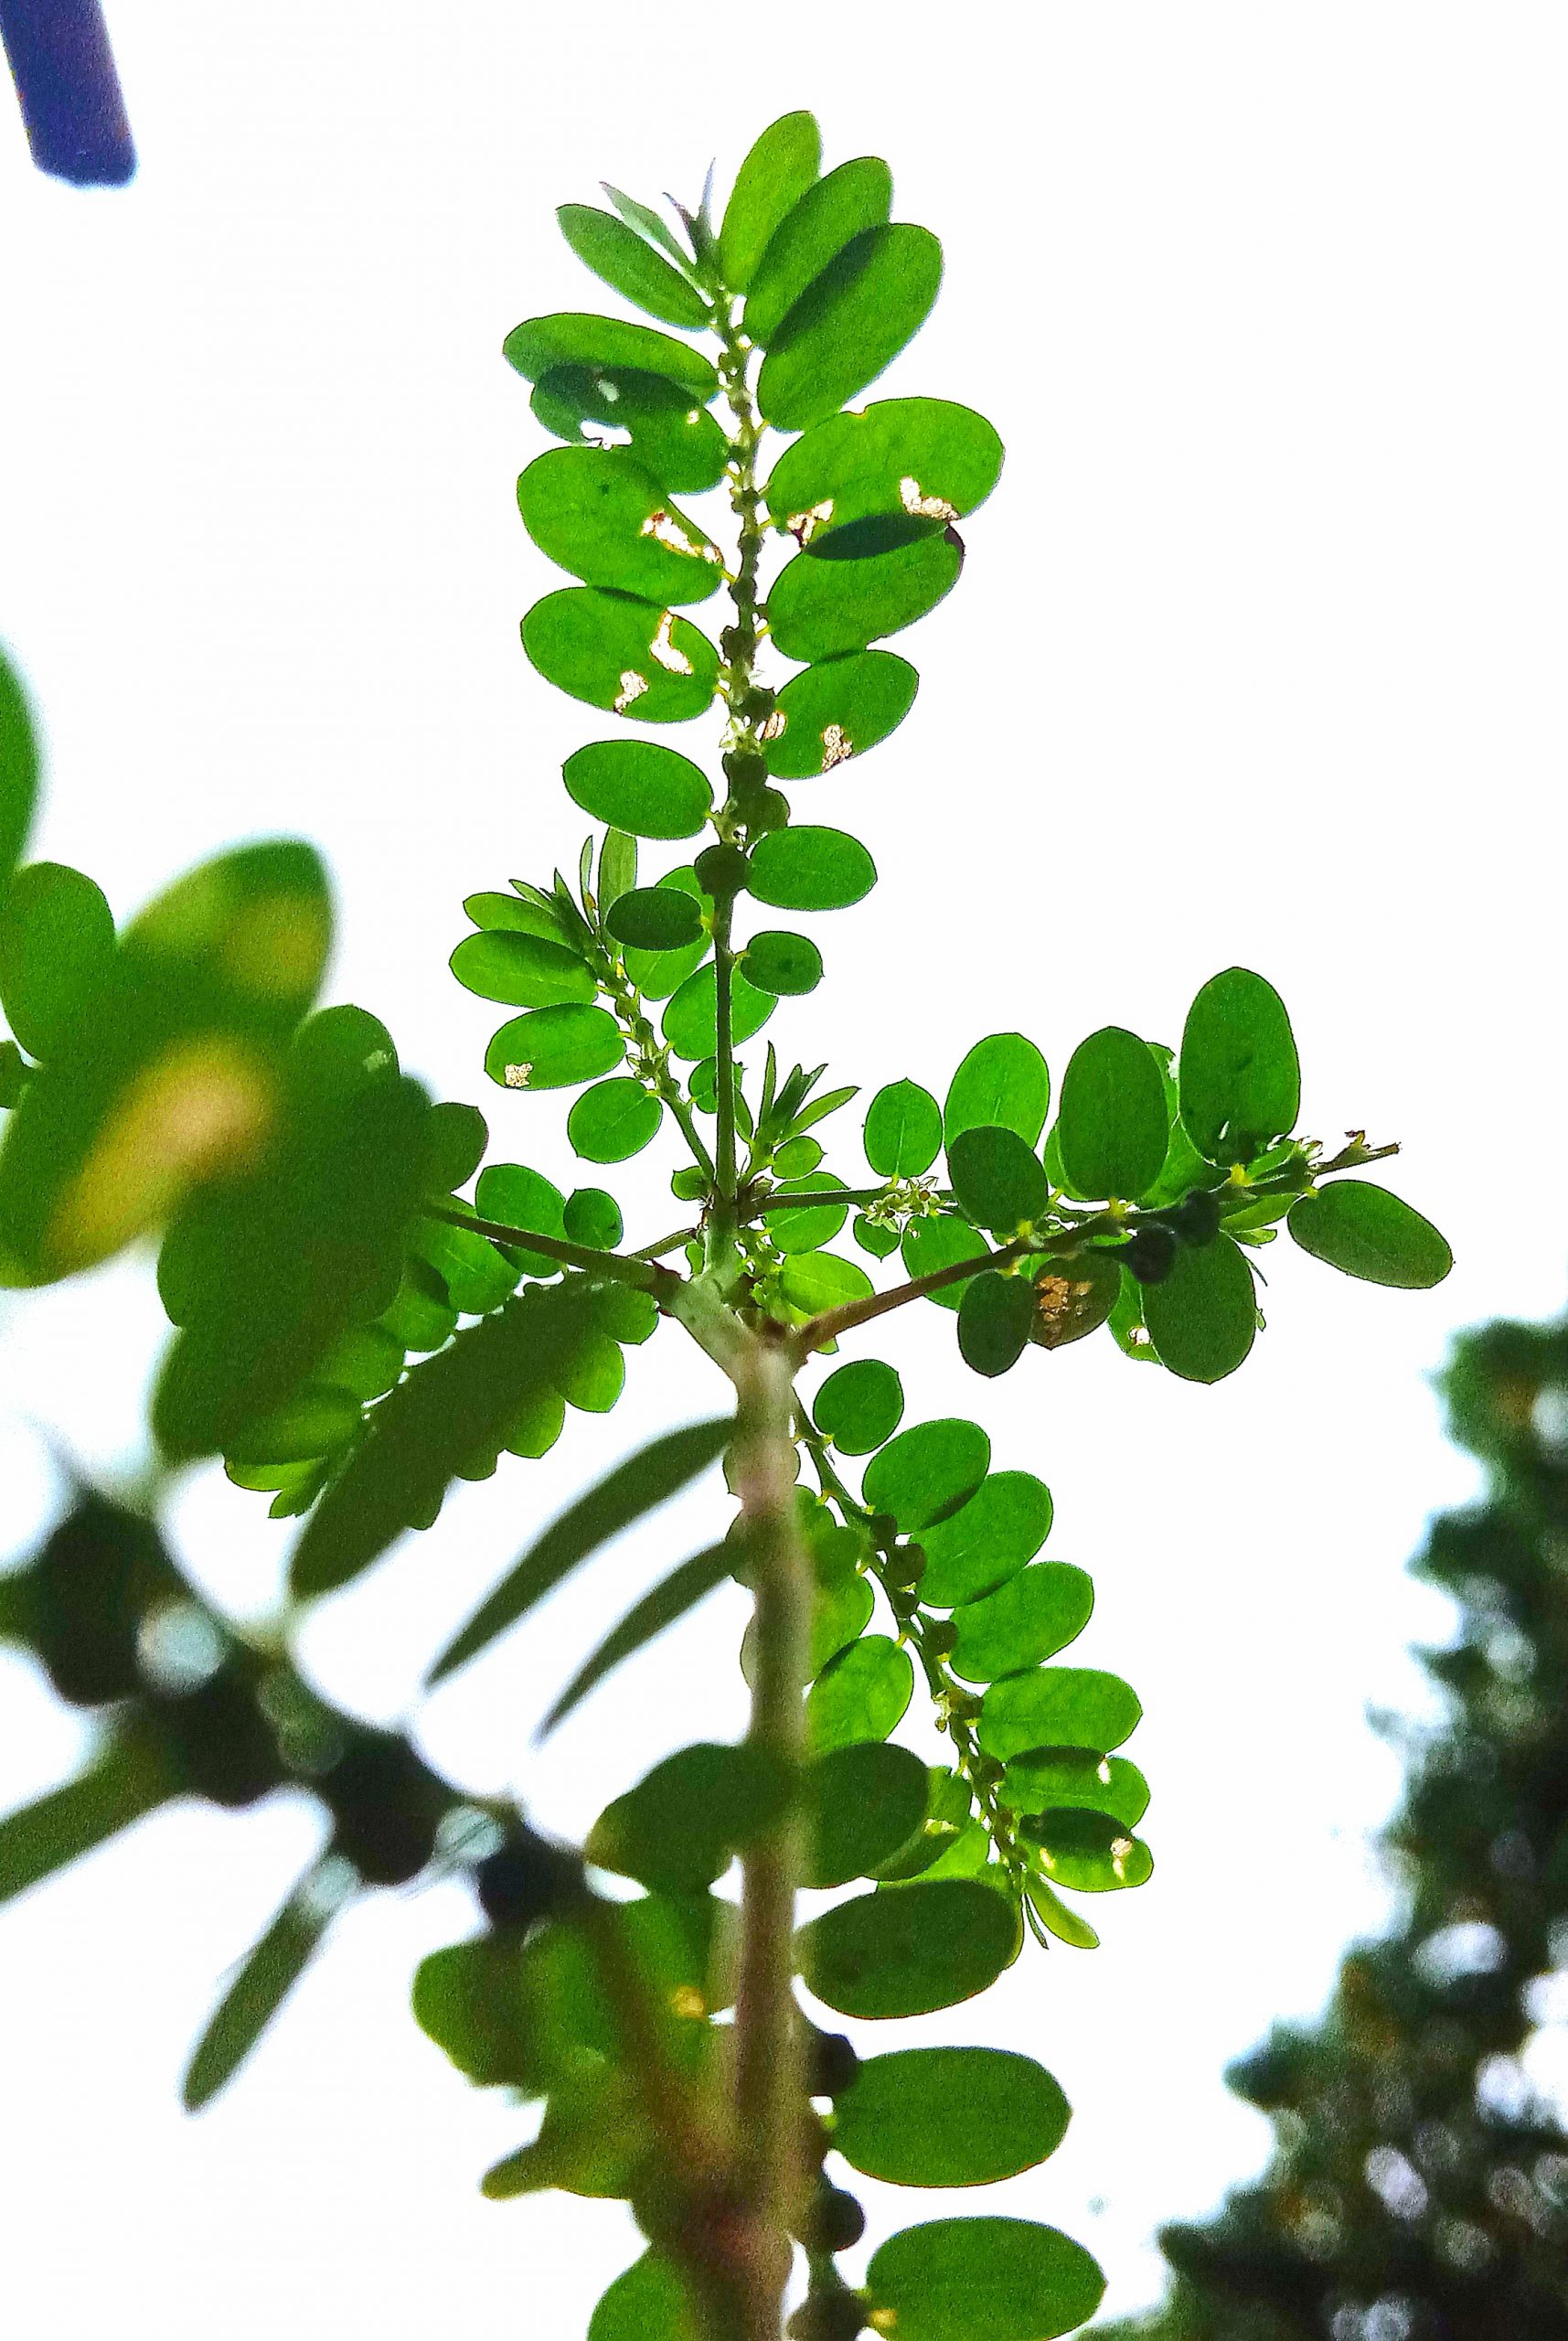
[786,964]
[904,1131]
[618,254]
[1090,1852]
[264,1980]
[949,2117]
[522,970]
[679,442]
[18,769]
[1240,1082]
[1044,1778]
[647,2302]
[681,1826]
[814,1281]
[927,1946]
[861,1695]
[573,339]
[1036,1613]
[896,456]
[613,1120]
[836,709]
[636,786]
[656,918]
[984,2280]
[1203,1318]
[994,1317]
[57,953]
[775,173]
[554,1048]
[621,653]
[1058,1707]
[859,1406]
[819,610]
[997,1177]
[1112,1125]
[1370,1233]
[850,323]
[863,1802]
[690,1022]
[599,513]
[1004,1524]
[1003,1082]
[932,1245]
[804,868]
[925,1474]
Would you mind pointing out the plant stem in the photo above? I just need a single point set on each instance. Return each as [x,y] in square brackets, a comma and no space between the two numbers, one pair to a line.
[643,1274]
[770,2101]
[833,1321]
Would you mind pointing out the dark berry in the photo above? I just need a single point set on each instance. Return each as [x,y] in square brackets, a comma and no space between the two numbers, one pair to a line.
[744,768]
[828,2316]
[1196,1220]
[905,1565]
[831,2065]
[387,1806]
[526,1880]
[833,2222]
[940,1636]
[1150,1252]
[721,871]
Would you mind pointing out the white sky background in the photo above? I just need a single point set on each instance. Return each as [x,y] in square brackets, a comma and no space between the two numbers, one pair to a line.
[1257,658]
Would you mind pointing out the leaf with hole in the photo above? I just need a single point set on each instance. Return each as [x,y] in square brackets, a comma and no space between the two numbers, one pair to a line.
[984,2280]
[924,1475]
[622,653]
[904,1131]
[811,868]
[1366,1232]
[861,1695]
[1113,1125]
[926,1947]
[554,1048]
[836,709]
[639,1485]
[617,253]
[597,512]
[679,442]
[1240,1078]
[949,2117]
[897,455]
[1203,1318]
[1045,1778]
[849,323]
[820,610]
[1090,1852]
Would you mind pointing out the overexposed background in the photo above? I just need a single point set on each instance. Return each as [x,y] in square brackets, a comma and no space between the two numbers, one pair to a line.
[1257,658]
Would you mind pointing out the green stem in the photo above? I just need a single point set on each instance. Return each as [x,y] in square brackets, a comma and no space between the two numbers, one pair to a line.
[833,1321]
[652,1061]
[643,1274]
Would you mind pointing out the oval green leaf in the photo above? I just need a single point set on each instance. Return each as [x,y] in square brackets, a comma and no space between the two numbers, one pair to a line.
[995,1315]
[613,1120]
[776,173]
[18,769]
[690,1022]
[1203,1319]
[911,455]
[1003,1083]
[1031,1617]
[985,2280]
[814,1281]
[927,1946]
[811,868]
[523,970]
[554,1048]
[863,1803]
[1238,1074]
[930,1244]
[1058,1707]
[1366,1232]
[904,1131]
[925,1474]
[622,654]
[861,1695]
[850,323]
[619,255]
[1001,1527]
[597,512]
[681,443]
[855,197]
[997,1177]
[657,974]
[574,338]
[949,2117]
[786,964]
[836,709]
[821,609]
[1048,1779]
[1090,1852]
[57,953]
[859,1406]
[647,2302]
[808,1230]
[656,918]
[1113,1125]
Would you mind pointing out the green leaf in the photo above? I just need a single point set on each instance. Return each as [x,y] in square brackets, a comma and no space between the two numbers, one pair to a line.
[57,955]
[1055,1916]
[1074,1295]
[786,964]
[1125,1320]
[881,1242]
[613,1120]
[927,1946]
[776,173]
[1203,1319]
[811,868]
[1370,1233]
[681,443]
[659,974]
[814,1281]
[263,1981]
[1090,1852]
[450,1408]
[1112,1125]
[859,1406]
[599,513]
[669,1600]
[453,1139]
[18,769]
[619,255]
[573,339]
[681,1826]
[656,918]
[997,1177]
[621,653]
[806,1231]
[840,1613]
[925,1474]
[995,1315]
[861,1695]
[836,709]
[896,456]
[904,1131]
[477,1277]
[855,197]
[1031,1617]
[819,609]
[647,2302]
[643,1481]
[949,2117]
[863,1802]
[1046,1778]
[636,786]
[515,1196]
[593,1217]
[554,1048]
[515,918]
[1058,1707]
[1004,1524]
[125,1781]
[985,2280]
[690,1022]
[520,970]
[850,323]
[929,1244]
[1240,1078]
[651,225]
[617,868]
[1002,1083]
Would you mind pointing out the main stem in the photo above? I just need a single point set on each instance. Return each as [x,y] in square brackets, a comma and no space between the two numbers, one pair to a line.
[770,2101]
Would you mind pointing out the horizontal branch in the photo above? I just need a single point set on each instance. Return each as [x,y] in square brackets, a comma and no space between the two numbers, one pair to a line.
[819,1198]
[833,1321]
[642,1274]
